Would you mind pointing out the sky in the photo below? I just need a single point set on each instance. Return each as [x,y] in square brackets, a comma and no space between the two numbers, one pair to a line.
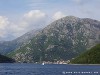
[20,16]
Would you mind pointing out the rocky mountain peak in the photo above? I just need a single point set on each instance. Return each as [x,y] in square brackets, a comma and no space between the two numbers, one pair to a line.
[63,39]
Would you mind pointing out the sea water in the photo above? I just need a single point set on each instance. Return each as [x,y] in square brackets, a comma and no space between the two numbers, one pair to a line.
[48,69]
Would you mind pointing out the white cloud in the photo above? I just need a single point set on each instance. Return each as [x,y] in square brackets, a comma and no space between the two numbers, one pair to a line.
[3,22]
[34,15]
[33,19]
[3,25]
[58,15]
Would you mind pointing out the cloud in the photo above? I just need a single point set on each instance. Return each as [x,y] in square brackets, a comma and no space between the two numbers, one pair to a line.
[33,19]
[6,29]
[34,15]
[4,23]
[58,15]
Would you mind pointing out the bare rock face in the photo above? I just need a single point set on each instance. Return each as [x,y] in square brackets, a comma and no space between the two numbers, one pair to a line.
[63,39]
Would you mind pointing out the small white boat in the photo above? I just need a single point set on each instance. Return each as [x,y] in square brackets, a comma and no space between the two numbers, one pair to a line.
[42,63]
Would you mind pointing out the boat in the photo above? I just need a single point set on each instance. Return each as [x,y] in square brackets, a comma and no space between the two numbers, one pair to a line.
[43,63]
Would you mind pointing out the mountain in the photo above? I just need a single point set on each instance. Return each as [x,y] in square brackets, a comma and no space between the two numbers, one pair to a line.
[63,39]
[8,46]
[4,59]
[89,57]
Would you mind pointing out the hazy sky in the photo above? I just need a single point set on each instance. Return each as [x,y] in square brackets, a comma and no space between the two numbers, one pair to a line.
[20,16]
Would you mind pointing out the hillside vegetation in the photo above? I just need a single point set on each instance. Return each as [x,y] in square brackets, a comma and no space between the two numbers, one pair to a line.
[91,56]
[4,59]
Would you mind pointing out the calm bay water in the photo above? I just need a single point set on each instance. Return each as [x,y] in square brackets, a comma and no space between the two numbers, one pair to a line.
[38,69]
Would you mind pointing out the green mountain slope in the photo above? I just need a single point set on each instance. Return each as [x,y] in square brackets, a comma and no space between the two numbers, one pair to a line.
[91,56]
[63,39]
[4,59]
